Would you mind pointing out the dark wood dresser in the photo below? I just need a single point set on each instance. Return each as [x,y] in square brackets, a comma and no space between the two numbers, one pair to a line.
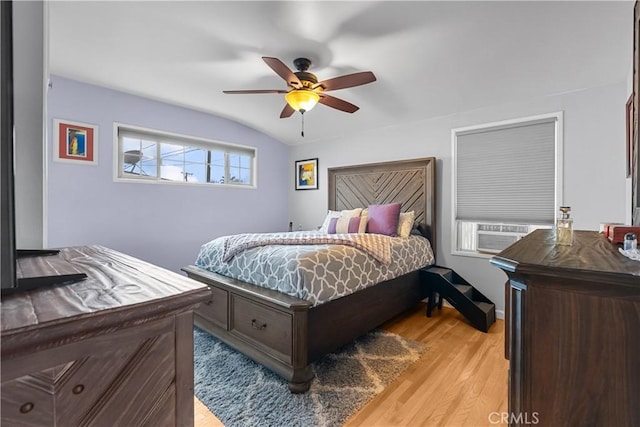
[115,349]
[573,332]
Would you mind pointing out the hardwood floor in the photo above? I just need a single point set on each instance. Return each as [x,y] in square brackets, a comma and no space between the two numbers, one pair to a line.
[460,381]
[203,417]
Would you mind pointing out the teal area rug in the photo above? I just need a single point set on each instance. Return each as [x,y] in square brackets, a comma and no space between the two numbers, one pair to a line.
[242,393]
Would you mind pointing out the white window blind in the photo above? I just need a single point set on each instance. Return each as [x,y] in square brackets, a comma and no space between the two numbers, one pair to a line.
[507,174]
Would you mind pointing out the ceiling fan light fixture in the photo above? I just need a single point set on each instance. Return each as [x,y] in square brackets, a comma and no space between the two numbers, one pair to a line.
[302,100]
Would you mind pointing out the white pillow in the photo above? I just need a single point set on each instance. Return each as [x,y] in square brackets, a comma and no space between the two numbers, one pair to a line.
[405,224]
[347,213]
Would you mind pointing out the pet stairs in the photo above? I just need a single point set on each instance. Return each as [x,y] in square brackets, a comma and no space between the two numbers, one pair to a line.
[469,301]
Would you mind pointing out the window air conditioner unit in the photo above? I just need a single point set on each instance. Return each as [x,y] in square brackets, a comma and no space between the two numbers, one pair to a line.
[493,238]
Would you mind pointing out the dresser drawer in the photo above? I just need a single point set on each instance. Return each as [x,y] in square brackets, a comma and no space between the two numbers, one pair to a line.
[262,325]
[215,309]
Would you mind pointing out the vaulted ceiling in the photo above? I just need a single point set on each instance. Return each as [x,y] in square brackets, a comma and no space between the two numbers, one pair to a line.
[430,58]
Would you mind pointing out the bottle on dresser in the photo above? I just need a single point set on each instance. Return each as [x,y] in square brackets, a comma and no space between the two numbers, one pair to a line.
[564,227]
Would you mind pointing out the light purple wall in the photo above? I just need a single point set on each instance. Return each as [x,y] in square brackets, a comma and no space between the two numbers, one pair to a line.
[163,224]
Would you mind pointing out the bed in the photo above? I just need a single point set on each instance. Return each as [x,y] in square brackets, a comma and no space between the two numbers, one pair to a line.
[286,333]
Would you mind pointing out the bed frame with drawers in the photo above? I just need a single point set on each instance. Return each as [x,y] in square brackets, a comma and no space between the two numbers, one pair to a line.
[287,334]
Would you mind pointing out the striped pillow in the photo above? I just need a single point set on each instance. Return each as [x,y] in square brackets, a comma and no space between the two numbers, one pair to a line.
[344,225]
[338,214]
[364,217]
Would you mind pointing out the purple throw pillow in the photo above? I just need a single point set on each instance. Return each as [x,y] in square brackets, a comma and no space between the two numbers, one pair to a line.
[383,219]
[332,226]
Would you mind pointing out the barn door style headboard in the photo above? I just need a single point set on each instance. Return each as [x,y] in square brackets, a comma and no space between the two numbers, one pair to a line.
[410,182]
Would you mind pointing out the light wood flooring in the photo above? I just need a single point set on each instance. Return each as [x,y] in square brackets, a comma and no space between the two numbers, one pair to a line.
[460,381]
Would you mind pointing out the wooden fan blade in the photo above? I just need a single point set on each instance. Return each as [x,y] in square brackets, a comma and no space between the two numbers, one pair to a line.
[287,111]
[283,71]
[348,80]
[235,92]
[337,103]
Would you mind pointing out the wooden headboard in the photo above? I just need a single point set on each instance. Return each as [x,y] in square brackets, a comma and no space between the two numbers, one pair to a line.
[410,182]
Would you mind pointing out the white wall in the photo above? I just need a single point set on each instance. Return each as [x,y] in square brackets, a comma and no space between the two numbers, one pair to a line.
[594,166]
[29,84]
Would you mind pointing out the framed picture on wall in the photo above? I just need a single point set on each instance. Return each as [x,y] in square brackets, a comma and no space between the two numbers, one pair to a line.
[307,174]
[75,142]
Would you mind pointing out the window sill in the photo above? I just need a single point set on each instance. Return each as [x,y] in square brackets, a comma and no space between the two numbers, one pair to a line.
[190,184]
[484,255]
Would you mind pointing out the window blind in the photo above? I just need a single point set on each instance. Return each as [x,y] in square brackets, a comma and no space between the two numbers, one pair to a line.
[507,174]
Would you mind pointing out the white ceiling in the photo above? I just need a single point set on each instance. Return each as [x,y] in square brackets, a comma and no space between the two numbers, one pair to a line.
[430,58]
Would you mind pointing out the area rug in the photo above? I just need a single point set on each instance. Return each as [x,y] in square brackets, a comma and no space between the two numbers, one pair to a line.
[242,393]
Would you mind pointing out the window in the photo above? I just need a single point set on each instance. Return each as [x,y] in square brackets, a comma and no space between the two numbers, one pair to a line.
[507,182]
[153,156]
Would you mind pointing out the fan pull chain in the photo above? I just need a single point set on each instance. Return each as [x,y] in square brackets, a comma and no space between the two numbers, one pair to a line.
[302,131]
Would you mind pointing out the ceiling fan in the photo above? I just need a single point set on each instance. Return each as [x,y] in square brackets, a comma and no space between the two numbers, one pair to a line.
[305,91]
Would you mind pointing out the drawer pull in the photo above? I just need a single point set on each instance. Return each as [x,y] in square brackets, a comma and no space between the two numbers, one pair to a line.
[209,302]
[258,326]
[26,408]
[78,389]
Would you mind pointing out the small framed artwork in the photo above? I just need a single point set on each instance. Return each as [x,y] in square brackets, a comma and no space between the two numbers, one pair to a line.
[307,174]
[630,131]
[75,142]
